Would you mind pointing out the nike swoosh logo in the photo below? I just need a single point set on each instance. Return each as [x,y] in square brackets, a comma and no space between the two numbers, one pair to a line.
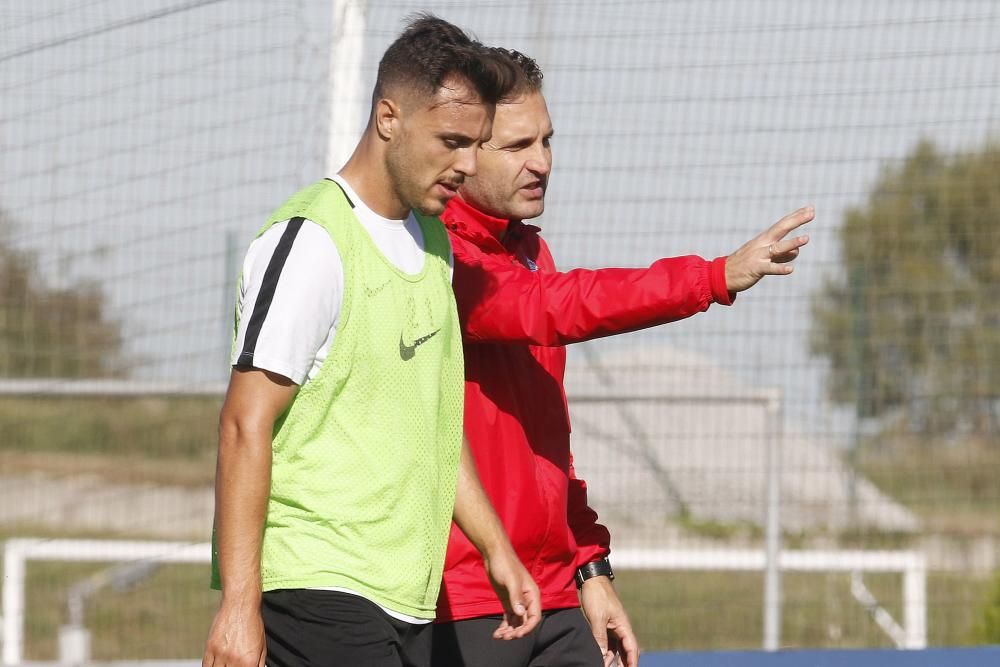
[406,352]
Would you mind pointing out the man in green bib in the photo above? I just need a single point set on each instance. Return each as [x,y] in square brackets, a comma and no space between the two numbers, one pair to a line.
[341,457]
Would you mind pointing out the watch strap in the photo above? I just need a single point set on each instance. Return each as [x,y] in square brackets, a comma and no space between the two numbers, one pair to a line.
[598,568]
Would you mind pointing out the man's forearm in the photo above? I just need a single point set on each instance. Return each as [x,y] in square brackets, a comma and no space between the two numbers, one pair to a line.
[474,513]
[242,484]
[514,587]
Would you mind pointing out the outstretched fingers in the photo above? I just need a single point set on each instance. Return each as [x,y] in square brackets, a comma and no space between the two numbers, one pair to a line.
[791,222]
[767,254]
[787,250]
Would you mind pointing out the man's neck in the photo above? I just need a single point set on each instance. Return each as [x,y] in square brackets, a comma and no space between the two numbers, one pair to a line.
[496,225]
[366,173]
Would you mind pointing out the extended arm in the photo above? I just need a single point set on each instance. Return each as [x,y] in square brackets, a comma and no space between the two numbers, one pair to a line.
[499,301]
[503,302]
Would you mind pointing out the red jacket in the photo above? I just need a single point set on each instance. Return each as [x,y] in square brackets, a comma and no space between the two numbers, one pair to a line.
[517,312]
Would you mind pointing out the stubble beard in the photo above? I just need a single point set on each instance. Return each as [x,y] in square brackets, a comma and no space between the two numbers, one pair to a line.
[401,178]
[504,204]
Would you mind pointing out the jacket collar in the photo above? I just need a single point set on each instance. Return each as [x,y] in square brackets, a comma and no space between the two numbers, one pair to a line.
[471,223]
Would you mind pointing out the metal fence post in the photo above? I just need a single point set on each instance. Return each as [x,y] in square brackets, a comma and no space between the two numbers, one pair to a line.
[772,573]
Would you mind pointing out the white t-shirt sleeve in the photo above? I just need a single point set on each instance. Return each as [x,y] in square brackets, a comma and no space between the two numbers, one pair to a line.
[290,296]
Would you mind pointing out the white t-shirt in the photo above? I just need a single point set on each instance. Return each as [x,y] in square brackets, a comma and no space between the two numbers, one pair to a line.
[292,289]
[293,285]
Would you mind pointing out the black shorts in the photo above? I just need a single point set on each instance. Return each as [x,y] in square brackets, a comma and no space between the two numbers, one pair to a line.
[562,639]
[332,629]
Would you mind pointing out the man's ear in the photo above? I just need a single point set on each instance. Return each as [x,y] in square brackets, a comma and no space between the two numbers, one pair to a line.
[387,115]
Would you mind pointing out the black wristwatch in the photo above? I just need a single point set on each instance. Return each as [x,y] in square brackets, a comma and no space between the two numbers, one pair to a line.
[599,568]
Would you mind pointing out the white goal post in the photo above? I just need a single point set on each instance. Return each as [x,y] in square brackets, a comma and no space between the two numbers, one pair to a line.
[17,553]
[911,564]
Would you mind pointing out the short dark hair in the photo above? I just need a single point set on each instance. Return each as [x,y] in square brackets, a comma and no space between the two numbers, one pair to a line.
[431,49]
[529,74]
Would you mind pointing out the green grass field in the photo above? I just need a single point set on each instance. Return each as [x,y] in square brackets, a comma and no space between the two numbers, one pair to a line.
[166,616]
[723,610]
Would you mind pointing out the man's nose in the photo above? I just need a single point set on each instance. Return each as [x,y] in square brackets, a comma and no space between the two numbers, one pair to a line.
[465,162]
[540,161]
